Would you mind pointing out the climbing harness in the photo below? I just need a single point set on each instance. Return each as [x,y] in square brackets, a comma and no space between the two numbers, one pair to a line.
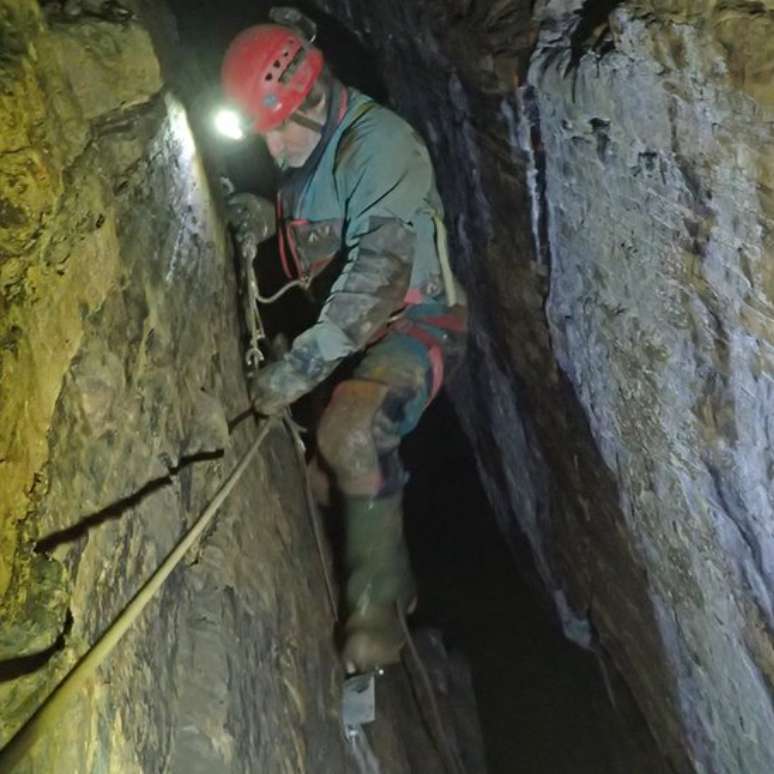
[55,705]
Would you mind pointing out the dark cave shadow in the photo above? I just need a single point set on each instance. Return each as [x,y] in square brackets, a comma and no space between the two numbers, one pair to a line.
[542,701]
[120,507]
[14,668]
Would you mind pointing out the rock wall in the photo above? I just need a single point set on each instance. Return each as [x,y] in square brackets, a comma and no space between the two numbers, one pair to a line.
[121,370]
[122,407]
[660,308]
[607,174]
[607,170]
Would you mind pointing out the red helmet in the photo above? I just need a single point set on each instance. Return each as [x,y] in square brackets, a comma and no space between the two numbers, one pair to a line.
[268,71]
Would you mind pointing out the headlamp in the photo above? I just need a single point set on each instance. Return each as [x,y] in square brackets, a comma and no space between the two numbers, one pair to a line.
[230,124]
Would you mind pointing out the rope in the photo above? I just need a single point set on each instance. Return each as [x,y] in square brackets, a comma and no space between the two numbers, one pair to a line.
[281,292]
[314,514]
[442,246]
[52,708]
[452,762]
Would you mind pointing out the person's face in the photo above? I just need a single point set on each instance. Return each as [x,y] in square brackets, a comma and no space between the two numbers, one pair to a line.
[291,144]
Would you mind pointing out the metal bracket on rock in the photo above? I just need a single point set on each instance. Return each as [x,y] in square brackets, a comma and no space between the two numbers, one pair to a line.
[358,702]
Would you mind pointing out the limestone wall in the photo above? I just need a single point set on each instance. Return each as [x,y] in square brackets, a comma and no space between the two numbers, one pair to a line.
[659,156]
[120,369]
[607,174]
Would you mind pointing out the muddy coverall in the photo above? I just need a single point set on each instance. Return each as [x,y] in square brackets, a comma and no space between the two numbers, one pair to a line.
[365,206]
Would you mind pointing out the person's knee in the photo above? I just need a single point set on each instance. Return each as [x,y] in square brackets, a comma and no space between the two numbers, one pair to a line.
[345,436]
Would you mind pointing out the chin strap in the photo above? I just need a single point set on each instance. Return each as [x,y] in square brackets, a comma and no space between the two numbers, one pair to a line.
[307,123]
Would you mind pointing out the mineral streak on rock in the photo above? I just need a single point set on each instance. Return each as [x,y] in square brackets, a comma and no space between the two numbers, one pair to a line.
[620,394]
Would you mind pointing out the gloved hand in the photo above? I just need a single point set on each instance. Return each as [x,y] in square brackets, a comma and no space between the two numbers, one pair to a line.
[264,395]
[252,217]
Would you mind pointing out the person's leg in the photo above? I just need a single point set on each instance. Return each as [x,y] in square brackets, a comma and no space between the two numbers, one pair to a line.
[358,439]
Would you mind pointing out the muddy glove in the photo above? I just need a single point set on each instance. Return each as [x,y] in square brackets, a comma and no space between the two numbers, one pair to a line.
[279,384]
[251,217]
[265,396]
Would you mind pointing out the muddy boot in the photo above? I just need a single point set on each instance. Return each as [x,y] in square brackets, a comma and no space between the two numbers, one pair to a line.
[379,577]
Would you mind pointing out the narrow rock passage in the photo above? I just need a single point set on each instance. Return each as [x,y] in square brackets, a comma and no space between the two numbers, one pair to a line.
[607,171]
[542,701]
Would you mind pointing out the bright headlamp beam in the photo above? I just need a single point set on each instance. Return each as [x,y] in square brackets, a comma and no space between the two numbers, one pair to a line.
[229,124]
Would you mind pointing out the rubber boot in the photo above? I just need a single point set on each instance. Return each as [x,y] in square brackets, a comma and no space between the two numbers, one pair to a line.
[379,578]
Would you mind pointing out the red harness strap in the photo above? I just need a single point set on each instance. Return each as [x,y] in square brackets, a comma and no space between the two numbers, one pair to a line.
[451,321]
[431,344]
[457,323]
[286,240]
[343,106]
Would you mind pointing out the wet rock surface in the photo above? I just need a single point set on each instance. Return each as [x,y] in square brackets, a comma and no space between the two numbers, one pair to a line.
[122,382]
[122,343]
[610,211]
[661,312]
[609,200]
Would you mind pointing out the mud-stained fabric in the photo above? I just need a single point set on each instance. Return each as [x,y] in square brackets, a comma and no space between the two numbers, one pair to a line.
[345,436]
[370,197]
[368,415]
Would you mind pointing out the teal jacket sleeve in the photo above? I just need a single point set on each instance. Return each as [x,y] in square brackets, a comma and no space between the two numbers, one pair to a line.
[383,177]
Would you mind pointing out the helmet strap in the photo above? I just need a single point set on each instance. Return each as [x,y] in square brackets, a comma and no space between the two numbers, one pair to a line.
[307,123]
